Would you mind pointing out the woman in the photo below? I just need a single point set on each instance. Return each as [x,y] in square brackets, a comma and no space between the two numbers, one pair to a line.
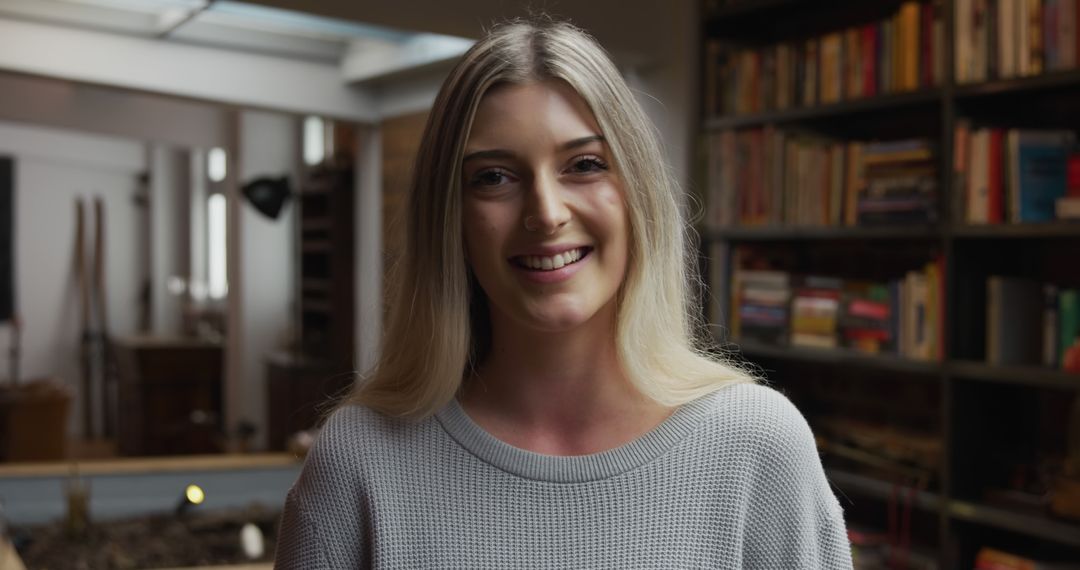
[540,401]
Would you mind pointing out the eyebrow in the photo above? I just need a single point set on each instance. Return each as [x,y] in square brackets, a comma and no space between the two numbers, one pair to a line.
[501,153]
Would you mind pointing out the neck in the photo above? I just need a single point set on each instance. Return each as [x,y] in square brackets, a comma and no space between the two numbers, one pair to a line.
[562,392]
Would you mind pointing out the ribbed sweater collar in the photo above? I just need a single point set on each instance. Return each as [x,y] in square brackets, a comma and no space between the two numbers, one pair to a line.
[576,468]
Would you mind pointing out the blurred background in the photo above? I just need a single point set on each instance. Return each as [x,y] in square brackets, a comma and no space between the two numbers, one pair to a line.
[199,200]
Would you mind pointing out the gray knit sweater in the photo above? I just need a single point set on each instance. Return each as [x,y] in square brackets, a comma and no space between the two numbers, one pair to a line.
[731,480]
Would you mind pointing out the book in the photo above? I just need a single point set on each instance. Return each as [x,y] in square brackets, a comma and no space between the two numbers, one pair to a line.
[1006,31]
[761,305]
[865,317]
[977,188]
[1014,317]
[1072,182]
[901,52]
[919,324]
[995,208]
[815,307]
[1067,208]
[1050,326]
[1068,321]
[993,559]
[1038,170]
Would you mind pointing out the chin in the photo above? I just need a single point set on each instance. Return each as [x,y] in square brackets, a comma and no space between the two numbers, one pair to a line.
[560,319]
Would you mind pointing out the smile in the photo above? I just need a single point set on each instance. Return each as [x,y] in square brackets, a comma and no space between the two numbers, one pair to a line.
[551,263]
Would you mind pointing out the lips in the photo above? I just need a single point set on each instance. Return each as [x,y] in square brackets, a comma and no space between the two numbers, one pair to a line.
[551,262]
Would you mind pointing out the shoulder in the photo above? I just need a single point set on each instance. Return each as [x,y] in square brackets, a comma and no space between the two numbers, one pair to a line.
[354,444]
[794,520]
[763,425]
[760,411]
[355,434]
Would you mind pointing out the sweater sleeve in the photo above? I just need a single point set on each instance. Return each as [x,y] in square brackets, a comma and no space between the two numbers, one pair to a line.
[298,544]
[323,525]
[795,519]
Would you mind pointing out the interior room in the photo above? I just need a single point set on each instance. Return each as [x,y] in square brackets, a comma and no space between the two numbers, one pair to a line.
[202,202]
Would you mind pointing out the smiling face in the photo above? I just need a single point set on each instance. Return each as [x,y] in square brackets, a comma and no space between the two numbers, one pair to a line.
[544,216]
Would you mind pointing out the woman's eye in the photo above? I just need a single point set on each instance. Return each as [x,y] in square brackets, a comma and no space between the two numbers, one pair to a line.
[586,164]
[493,177]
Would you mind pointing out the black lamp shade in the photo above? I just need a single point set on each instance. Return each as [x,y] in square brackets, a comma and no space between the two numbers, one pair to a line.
[268,195]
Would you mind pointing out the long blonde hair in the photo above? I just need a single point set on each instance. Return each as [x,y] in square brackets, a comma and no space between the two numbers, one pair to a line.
[437,322]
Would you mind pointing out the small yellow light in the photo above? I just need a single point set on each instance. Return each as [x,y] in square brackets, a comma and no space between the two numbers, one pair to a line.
[195,494]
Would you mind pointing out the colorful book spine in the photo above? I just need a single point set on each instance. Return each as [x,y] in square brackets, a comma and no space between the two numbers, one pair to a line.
[1068,321]
[903,52]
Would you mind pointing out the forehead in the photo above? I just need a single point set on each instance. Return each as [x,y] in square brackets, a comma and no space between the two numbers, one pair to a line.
[523,113]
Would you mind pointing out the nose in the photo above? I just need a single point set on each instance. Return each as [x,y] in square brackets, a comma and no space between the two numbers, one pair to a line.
[546,208]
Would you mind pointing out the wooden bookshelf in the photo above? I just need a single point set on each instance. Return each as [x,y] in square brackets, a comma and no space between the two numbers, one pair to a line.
[883,490]
[1067,79]
[972,395]
[1019,375]
[738,8]
[1015,231]
[961,369]
[1036,525]
[316,246]
[786,233]
[302,380]
[839,357]
[316,224]
[927,98]
[315,284]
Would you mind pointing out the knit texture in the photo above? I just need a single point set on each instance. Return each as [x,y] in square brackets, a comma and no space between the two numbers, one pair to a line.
[731,480]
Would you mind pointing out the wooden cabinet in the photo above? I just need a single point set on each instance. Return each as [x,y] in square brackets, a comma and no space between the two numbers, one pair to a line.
[301,391]
[169,393]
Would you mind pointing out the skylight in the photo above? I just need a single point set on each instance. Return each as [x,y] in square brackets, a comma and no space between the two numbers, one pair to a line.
[229,24]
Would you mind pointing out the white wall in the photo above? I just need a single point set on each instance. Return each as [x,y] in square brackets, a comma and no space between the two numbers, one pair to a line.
[268,146]
[169,189]
[52,168]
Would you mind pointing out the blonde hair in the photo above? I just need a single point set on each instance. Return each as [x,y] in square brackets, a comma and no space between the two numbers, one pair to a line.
[437,323]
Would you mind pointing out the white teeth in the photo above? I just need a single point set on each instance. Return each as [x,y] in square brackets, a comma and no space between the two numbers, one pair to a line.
[556,261]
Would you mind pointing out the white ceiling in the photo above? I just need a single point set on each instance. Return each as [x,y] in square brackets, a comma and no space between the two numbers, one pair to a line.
[226,24]
[634,31]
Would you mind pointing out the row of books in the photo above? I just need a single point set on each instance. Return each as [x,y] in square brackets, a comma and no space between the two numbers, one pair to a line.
[901,53]
[993,559]
[1030,323]
[997,39]
[767,176]
[902,317]
[1014,175]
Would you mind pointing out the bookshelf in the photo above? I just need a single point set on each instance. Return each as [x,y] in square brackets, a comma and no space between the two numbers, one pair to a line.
[925,99]
[1038,526]
[303,381]
[999,426]
[840,357]
[881,489]
[764,234]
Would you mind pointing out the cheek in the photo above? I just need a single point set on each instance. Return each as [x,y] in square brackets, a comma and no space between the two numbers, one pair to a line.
[479,231]
[613,205]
